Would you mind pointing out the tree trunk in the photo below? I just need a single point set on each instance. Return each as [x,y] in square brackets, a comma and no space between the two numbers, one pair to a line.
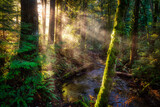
[133,53]
[60,22]
[156,12]
[109,15]
[52,22]
[29,30]
[102,98]
[58,37]
[44,3]
[84,31]
[102,2]
[66,8]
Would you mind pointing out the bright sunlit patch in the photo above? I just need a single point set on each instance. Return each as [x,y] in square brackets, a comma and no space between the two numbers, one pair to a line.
[40,16]
[47,74]
[154,36]
[68,35]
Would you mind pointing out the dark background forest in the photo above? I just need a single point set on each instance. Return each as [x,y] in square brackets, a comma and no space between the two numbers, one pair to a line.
[110,47]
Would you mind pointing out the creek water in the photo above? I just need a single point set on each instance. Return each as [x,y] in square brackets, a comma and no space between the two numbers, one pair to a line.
[88,85]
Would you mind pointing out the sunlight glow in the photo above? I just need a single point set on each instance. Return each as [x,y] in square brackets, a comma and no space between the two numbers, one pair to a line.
[40,17]
[73,29]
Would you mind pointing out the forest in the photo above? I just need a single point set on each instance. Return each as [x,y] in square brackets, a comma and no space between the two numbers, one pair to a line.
[79,53]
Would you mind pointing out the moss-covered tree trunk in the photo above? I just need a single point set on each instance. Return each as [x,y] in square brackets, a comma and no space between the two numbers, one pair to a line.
[102,98]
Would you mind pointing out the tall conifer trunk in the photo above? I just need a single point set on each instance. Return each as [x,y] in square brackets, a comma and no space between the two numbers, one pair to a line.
[83,27]
[58,36]
[156,12]
[29,30]
[109,13]
[44,3]
[59,22]
[133,53]
[52,22]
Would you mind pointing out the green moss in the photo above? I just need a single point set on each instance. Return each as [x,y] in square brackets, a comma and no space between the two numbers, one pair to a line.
[102,98]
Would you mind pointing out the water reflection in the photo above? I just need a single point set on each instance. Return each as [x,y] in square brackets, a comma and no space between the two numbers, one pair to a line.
[88,85]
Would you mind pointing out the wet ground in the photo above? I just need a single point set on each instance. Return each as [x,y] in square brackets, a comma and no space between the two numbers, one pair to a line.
[88,85]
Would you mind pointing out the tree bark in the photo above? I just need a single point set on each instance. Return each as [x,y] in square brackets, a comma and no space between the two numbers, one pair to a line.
[44,3]
[83,27]
[133,53]
[58,37]
[66,7]
[102,98]
[52,22]
[156,11]
[109,14]
[29,30]
[60,22]
[101,5]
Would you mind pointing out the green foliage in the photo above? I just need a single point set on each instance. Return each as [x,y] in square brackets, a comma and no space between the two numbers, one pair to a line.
[21,81]
[84,102]
[17,64]
[7,14]
[102,97]
[21,89]
[94,45]
[128,20]
[146,16]
[148,66]
[24,94]
[7,31]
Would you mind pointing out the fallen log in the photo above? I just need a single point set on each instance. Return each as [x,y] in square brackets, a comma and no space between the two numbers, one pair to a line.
[122,74]
[77,72]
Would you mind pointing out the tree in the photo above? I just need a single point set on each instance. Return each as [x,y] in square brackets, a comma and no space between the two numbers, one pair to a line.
[102,98]
[7,13]
[29,28]
[58,37]
[133,53]
[109,12]
[52,22]
[156,12]
[23,76]
[84,26]
[44,3]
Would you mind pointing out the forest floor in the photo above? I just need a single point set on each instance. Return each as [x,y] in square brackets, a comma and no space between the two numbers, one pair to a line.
[128,91]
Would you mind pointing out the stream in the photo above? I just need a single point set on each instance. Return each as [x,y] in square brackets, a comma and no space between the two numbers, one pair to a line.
[88,84]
